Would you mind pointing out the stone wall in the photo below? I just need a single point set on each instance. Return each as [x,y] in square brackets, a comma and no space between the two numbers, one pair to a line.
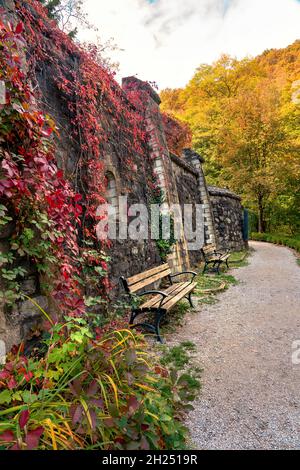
[228,217]
[160,156]
[19,321]
[195,160]
[187,185]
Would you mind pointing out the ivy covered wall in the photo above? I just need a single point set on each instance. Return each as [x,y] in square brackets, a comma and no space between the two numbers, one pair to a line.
[70,139]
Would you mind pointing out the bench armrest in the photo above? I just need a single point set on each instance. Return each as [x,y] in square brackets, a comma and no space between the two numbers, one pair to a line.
[156,292]
[184,272]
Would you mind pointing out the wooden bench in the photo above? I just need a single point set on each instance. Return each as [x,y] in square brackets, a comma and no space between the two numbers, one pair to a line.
[212,256]
[159,302]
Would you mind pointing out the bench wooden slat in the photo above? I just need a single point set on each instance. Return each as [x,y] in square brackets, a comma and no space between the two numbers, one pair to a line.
[151,303]
[144,275]
[209,248]
[214,257]
[172,290]
[169,303]
[149,280]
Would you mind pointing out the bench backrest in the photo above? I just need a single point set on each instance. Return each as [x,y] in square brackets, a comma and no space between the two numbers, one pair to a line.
[137,282]
[208,250]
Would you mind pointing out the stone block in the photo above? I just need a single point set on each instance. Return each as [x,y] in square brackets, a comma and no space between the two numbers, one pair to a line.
[7,230]
[29,286]
[27,310]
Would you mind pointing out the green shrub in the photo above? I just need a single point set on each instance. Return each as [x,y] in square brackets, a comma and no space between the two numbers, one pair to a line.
[279,239]
[89,393]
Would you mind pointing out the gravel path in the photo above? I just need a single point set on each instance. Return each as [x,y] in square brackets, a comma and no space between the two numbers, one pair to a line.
[251,389]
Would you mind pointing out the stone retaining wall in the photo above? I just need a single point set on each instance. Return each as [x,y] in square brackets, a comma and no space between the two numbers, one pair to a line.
[228,217]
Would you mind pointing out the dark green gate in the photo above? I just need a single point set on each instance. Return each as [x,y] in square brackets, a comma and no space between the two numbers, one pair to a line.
[246,225]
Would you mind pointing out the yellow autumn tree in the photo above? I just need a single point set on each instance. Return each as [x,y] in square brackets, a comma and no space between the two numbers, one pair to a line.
[245,123]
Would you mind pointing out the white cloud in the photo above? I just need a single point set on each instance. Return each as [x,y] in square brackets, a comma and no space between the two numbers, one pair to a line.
[165,41]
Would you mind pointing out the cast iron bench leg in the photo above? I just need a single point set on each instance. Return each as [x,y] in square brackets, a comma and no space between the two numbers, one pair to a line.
[189,298]
[154,328]
[159,316]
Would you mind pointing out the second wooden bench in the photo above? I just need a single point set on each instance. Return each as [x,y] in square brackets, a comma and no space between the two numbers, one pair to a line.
[212,256]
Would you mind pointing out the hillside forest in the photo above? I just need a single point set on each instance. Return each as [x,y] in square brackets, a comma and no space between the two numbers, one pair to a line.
[245,121]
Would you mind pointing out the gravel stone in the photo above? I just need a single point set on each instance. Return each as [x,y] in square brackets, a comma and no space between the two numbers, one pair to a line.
[251,388]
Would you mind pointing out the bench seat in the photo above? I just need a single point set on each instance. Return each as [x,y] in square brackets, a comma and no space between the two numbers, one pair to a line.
[176,292]
[157,302]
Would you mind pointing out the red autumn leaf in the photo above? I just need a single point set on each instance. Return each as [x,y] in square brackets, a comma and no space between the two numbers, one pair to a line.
[120,440]
[144,444]
[77,197]
[76,387]
[47,132]
[23,419]
[28,376]
[10,365]
[93,388]
[15,447]
[97,402]
[76,413]
[12,383]
[6,165]
[7,436]
[33,438]
[6,183]
[4,374]
[78,210]
[133,405]
[104,265]
[19,28]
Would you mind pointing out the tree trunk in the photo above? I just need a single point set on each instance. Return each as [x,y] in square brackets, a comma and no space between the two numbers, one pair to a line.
[261,213]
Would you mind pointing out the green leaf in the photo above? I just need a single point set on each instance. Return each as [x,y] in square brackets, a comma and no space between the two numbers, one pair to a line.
[100,271]
[5,397]
[29,397]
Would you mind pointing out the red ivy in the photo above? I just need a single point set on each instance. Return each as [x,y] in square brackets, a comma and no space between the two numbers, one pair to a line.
[178,134]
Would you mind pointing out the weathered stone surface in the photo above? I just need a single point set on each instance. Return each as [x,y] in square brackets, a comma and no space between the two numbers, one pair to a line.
[188,193]
[7,230]
[29,286]
[26,310]
[228,215]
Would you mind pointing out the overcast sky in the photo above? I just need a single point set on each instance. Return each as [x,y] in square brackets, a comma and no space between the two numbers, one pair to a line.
[166,40]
